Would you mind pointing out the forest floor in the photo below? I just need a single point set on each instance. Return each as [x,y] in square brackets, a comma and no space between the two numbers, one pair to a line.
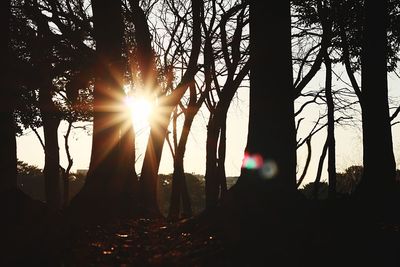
[316,234]
[144,242]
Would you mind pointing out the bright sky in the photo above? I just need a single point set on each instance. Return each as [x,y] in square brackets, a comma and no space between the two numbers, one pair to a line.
[348,141]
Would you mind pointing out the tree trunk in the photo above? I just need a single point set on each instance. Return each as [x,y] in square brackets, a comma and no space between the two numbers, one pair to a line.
[149,175]
[177,183]
[127,160]
[215,158]
[272,134]
[307,164]
[8,154]
[319,170]
[221,159]
[111,164]
[331,129]
[51,121]
[378,159]
[216,134]
[66,194]
[186,202]
[211,176]
[179,187]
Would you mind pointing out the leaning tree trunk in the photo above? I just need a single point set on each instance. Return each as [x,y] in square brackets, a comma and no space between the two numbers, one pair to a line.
[8,154]
[66,191]
[149,175]
[319,169]
[378,159]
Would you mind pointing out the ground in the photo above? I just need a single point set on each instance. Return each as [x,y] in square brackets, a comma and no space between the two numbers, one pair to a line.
[304,233]
[144,242]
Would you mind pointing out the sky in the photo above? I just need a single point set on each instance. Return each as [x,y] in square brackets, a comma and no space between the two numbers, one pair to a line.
[348,140]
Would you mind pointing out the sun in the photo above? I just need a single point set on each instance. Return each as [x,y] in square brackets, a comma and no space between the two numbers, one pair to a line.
[140,111]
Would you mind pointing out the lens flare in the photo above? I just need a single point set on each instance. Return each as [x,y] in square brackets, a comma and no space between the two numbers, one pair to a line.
[252,162]
[269,169]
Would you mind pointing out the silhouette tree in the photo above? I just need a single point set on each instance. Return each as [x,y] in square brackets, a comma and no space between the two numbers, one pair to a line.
[46,57]
[110,184]
[327,29]
[158,131]
[316,19]
[329,146]
[173,60]
[262,204]
[226,81]
[8,154]
[179,190]
[271,143]
[378,158]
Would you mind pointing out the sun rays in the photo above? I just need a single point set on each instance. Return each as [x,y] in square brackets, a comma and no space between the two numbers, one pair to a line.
[140,110]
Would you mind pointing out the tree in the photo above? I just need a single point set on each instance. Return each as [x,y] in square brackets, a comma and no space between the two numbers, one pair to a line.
[8,154]
[226,80]
[263,196]
[109,188]
[326,22]
[378,159]
[158,130]
[179,190]
[24,168]
[45,50]
[271,143]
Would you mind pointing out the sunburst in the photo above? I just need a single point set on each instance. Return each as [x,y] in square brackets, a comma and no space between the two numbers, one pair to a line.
[140,111]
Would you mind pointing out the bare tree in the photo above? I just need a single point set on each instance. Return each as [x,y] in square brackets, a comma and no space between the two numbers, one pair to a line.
[162,113]
[234,57]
